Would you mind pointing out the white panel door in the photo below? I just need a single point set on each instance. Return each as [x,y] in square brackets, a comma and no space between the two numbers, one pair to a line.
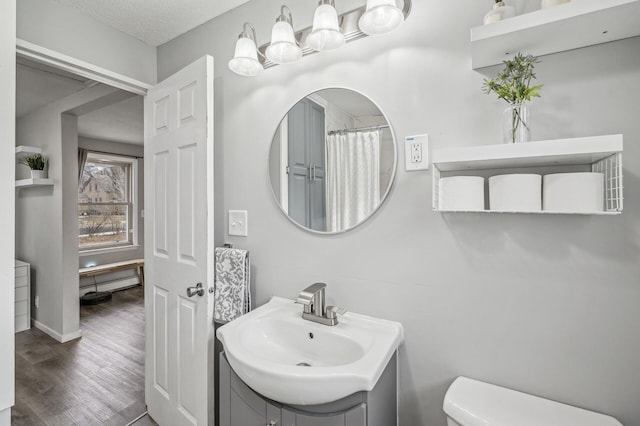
[178,155]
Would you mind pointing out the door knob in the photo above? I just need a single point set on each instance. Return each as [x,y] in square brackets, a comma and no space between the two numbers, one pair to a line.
[192,291]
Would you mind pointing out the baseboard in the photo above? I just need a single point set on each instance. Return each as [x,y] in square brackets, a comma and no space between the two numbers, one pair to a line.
[110,285]
[62,338]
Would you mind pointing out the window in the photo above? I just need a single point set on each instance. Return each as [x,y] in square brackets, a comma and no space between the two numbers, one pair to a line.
[107,202]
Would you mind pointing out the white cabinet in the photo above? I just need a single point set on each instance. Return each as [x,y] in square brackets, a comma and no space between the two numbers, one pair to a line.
[23,296]
[579,23]
[601,154]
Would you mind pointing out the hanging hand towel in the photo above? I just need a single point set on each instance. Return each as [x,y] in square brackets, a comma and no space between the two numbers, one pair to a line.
[232,286]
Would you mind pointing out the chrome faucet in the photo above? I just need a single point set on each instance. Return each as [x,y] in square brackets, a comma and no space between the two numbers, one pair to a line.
[312,298]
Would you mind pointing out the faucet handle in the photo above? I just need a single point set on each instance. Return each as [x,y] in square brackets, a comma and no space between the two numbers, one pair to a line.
[334,311]
[312,290]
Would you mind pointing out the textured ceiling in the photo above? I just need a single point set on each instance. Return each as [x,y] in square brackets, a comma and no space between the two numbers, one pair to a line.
[153,21]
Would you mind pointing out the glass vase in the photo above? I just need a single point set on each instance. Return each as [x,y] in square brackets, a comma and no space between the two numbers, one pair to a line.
[516,124]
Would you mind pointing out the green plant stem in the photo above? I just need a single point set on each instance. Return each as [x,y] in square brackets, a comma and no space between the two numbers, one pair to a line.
[514,123]
[516,120]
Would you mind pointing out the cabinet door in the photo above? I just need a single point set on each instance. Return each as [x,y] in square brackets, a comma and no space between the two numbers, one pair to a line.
[355,417]
[252,413]
[241,406]
[273,415]
[246,415]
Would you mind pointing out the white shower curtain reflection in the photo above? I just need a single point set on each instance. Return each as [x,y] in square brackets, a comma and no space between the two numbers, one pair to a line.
[353,178]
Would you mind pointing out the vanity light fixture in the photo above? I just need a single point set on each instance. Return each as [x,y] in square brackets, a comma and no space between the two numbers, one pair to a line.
[326,34]
[245,60]
[329,31]
[381,16]
[283,48]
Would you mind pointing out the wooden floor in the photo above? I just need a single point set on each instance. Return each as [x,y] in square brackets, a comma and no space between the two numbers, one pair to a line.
[95,380]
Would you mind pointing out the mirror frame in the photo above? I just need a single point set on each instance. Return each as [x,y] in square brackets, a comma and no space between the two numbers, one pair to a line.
[392,180]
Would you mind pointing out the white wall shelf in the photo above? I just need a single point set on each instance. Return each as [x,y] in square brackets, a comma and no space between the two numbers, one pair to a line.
[579,23]
[32,182]
[605,213]
[597,153]
[23,150]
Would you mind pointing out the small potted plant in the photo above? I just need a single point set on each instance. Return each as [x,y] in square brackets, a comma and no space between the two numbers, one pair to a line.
[37,163]
[513,85]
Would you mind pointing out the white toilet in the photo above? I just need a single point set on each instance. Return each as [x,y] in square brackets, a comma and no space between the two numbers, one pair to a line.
[472,403]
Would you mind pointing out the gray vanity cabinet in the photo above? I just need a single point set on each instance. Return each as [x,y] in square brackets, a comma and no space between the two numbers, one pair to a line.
[356,416]
[241,406]
[245,413]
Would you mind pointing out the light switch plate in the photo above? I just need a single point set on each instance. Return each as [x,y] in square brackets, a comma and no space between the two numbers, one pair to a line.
[416,153]
[238,223]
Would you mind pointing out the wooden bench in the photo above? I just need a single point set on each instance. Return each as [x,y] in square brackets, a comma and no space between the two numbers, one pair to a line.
[92,271]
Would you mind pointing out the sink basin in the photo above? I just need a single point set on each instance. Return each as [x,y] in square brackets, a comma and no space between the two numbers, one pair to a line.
[294,361]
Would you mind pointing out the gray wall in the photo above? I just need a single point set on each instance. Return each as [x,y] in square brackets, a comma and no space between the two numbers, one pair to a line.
[544,304]
[46,217]
[66,30]
[7,220]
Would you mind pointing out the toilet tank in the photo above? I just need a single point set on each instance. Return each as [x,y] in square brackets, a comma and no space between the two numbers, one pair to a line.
[470,402]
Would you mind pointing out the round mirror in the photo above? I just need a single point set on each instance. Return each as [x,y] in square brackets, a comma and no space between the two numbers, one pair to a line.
[332,160]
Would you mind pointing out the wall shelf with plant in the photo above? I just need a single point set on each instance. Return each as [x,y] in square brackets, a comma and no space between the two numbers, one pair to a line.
[37,163]
[32,182]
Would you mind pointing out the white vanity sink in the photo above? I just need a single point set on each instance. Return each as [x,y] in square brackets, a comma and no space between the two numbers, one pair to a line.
[295,361]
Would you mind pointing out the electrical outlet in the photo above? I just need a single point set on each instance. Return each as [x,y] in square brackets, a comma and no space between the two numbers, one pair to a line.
[37,301]
[416,150]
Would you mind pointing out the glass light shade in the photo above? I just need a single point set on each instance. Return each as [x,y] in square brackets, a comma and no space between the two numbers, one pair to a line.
[381,16]
[245,60]
[326,34]
[283,48]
